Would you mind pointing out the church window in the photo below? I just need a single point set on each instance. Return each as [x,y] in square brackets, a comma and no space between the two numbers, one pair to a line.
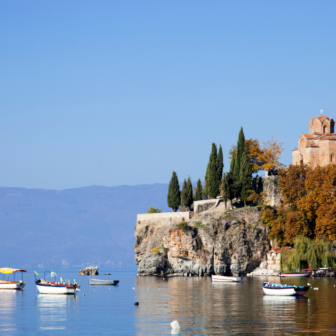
[332,158]
[324,129]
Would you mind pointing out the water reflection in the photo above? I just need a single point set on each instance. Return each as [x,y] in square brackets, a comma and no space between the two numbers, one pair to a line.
[8,306]
[53,310]
[205,308]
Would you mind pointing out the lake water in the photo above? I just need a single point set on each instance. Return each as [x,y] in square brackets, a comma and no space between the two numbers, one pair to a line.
[200,306]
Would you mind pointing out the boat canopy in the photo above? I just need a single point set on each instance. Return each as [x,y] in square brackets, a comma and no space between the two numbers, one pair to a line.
[7,270]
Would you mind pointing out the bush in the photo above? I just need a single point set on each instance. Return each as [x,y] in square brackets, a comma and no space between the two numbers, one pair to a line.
[183,226]
[154,210]
[199,244]
[156,249]
[199,225]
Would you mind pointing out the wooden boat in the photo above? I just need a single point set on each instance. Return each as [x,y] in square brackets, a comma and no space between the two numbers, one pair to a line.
[294,275]
[54,287]
[103,282]
[7,284]
[221,278]
[284,290]
[50,287]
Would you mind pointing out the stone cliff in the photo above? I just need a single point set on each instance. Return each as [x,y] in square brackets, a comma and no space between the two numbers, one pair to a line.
[216,241]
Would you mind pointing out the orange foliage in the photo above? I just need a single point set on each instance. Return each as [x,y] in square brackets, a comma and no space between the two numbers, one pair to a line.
[309,207]
[265,158]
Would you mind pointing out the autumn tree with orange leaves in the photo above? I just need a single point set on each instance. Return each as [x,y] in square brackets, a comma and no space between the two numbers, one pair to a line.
[309,204]
[262,158]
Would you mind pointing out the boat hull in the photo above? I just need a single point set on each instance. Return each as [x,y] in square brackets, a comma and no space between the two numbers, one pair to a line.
[284,290]
[221,278]
[103,282]
[294,275]
[12,285]
[56,289]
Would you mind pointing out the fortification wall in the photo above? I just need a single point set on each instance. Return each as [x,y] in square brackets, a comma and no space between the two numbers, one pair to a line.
[164,217]
[200,206]
[270,186]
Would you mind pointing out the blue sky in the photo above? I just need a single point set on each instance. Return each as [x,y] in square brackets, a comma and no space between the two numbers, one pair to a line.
[124,92]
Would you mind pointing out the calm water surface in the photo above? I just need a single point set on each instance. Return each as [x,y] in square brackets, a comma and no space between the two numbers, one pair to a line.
[200,306]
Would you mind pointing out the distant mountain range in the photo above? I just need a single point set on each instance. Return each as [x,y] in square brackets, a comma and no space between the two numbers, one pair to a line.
[74,227]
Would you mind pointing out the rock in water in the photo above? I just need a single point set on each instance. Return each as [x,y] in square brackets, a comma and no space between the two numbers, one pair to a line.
[89,271]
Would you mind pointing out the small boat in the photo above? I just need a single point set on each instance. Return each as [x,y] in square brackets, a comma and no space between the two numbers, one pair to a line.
[294,275]
[103,282]
[54,287]
[7,284]
[221,278]
[284,290]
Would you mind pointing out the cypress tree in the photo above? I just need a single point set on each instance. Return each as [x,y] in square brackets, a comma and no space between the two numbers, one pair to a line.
[174,194]
[224,189]
[184,193]
[233,161]
[239,154]
[246,177]
[220,166]
[189,193]
[198,193]
[211,180]
[229,186]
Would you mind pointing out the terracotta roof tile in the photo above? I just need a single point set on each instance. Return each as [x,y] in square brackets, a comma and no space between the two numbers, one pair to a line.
[307,135]
[321,117]
[295,149]
[312,145]
[280,249]
[327,136]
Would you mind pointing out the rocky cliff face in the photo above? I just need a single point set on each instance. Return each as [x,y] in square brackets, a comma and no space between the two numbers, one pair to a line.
[222,242]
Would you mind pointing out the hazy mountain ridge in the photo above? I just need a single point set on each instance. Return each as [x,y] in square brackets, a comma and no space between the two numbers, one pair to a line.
[73,227]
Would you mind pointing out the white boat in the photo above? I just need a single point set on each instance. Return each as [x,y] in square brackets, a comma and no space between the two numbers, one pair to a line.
[294,275]
[7,284]
[221,278]
[49,287]
[54,287]
[103,282]
[284,290]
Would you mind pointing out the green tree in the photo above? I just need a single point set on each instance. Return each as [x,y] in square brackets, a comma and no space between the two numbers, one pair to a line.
[224,189]
[233,161]
[211,176]
[220,166]
[246,177]
[154,210]
[239,154]
[198,193]
[184,192]
[228,190]
[187,194]
[174,194]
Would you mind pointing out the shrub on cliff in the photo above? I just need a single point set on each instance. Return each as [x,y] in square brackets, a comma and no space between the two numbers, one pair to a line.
[154,210]
[183,226]
[174,194]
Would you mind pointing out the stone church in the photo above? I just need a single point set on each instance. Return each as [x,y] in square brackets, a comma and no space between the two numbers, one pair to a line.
[318,147]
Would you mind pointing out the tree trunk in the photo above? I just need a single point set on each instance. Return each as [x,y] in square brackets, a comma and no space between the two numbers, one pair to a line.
[174,209]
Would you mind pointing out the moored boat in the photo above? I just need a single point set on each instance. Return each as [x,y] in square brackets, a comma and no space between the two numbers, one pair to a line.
[221,278]
[284,290]
[294,275]
[7,284]
[103,282]
[54,287]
